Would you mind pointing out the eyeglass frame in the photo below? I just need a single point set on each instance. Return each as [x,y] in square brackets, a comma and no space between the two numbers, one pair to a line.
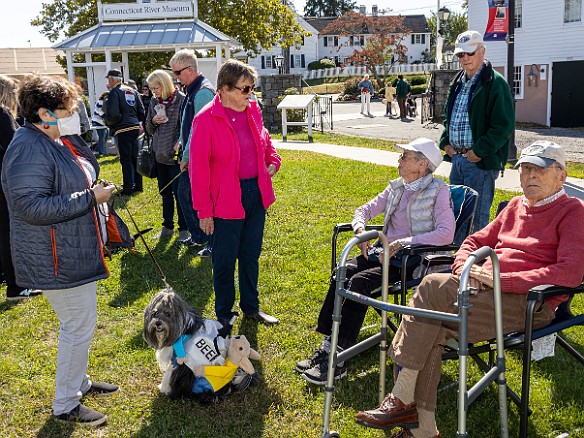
[250,89]
[178,72]
[460,55]
[416,155]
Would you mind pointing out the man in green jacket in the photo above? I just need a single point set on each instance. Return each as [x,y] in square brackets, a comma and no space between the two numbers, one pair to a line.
[479,120]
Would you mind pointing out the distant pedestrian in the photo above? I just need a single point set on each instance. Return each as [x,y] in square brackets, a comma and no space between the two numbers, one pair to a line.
[402,89]
[479,119]
[366,88]
[99,124]
[389,98]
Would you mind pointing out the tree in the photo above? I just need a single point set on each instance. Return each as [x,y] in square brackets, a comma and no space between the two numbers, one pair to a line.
[454,26]
[267,23]
[384,45]
[328,8]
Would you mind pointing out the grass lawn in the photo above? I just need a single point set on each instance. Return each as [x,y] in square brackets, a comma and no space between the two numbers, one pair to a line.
[314,193]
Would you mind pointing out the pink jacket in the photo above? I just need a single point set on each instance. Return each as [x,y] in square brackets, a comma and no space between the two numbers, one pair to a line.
[214,162]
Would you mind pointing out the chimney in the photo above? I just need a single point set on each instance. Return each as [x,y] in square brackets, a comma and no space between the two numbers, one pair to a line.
[362,10]
[374,10]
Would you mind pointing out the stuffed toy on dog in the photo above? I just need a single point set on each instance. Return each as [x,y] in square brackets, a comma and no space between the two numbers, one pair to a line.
[197,356]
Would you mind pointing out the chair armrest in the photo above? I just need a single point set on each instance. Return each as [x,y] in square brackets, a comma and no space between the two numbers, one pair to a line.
[344,227]
[420,248]
[540,293]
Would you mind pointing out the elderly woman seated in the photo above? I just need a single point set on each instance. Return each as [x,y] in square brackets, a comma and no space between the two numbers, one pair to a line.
[417,210]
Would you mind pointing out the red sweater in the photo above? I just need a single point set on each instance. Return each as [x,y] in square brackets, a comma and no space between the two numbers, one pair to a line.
[535,245]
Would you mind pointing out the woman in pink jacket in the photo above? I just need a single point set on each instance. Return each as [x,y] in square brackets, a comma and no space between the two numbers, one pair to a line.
[233,161]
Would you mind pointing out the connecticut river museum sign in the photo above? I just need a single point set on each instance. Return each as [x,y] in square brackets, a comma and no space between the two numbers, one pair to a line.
[148,10]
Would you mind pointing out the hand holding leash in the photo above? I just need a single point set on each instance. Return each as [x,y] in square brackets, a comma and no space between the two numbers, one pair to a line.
[103,191]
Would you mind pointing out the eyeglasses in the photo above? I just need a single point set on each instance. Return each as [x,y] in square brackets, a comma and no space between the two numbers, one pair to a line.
[245,90]
[405,157]
[178,72]
[461,54]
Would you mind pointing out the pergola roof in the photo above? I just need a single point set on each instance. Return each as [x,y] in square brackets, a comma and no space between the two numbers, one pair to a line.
[136,36]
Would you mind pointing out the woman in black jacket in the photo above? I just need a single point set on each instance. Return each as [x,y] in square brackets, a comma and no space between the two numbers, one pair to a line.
[49,178]
[8,127]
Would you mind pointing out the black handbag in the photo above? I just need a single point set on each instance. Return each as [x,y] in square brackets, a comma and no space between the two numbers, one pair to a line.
[146,165]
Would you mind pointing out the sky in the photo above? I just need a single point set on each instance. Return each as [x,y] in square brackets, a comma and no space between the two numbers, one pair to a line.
[16,31]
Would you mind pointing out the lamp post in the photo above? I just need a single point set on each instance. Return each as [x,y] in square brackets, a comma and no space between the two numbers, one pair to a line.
[448,55]
[442,14]
[278,59]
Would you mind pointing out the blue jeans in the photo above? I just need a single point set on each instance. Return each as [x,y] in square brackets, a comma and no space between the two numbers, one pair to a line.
[464,172]
[102,135]
[185,201]
[164,174]
[241,240]
[77,312]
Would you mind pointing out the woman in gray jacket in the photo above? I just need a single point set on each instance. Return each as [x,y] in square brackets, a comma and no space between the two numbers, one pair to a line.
[48,176]
[163,125]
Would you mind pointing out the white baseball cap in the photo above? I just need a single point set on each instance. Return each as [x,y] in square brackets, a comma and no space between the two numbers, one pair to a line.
[425,146]
[543,153]
[468,41]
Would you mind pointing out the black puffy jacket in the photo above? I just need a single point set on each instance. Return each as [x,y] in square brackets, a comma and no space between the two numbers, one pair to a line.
[54,234]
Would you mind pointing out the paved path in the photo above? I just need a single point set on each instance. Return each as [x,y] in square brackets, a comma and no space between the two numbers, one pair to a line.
[509,181]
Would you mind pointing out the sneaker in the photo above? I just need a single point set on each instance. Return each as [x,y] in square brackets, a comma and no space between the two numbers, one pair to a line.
[82,415]
[190,242]
[183,235]
[205,252]
[317,357]
[165,232]
[317,374]
[102,389]
[24,294]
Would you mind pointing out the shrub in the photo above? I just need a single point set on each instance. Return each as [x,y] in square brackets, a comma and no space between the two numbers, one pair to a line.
[322,63]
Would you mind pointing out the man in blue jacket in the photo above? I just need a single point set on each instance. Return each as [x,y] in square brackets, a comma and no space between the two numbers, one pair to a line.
[199,92]
[123,111]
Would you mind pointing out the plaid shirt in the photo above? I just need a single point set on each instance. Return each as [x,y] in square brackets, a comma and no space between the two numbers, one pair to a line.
[459,130]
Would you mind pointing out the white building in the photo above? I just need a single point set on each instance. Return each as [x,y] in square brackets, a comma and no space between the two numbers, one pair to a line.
[320,45]
[549,59]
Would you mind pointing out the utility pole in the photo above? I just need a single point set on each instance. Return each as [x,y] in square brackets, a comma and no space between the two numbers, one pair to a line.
[512,156]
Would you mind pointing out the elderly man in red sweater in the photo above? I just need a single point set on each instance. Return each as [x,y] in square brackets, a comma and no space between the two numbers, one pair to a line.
[535,240]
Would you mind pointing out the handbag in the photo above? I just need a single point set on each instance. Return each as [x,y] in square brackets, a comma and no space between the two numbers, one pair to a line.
[146,164]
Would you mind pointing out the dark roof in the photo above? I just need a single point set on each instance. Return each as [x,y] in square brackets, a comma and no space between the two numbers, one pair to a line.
[414,23]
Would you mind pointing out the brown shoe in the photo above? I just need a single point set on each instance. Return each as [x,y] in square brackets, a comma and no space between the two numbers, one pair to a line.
[390,413]
[405,433]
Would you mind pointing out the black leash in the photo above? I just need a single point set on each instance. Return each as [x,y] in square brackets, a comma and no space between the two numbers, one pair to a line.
[141,235]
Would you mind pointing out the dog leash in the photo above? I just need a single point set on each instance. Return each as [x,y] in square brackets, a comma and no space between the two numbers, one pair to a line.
[125,205]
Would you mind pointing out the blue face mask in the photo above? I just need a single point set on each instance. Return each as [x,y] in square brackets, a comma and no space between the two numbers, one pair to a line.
[67,125]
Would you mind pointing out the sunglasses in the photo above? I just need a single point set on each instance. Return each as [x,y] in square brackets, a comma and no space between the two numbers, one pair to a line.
[245,90]
[178,72]
[461,54]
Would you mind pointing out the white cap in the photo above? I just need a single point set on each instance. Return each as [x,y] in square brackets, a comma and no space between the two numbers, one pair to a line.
[543,153]
[425,146]
[468,42]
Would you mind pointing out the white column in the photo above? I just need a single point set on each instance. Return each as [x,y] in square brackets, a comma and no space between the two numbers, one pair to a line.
[70,70]
[126,64]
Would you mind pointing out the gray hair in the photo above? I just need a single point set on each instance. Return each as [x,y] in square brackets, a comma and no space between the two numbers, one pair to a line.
[185,58]
[430,168]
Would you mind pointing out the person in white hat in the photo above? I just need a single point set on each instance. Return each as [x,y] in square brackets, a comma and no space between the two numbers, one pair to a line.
[536,237]
[417,210]
[479,119]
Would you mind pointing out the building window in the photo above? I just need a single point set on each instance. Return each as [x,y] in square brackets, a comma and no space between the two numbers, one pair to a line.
[518,82]
[269,62]
[329,41]
[572,11]
[296,61]
[361,40]
[518,14]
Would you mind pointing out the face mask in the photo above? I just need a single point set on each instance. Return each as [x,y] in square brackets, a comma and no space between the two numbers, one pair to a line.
[68,125]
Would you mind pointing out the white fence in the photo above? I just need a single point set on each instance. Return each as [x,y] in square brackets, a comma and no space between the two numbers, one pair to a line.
[360,71]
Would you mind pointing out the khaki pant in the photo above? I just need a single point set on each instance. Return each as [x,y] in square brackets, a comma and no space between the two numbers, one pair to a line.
[418,343]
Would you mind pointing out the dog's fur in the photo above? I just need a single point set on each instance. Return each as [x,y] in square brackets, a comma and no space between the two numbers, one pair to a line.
[166,318]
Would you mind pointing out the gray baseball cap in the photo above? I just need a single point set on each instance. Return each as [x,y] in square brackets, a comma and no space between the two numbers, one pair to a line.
[543,153]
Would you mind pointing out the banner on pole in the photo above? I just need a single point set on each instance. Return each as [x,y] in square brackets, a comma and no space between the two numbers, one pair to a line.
[498,24]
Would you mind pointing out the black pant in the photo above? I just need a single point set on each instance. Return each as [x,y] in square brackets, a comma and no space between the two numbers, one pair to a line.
[165,173]
[128,147]
[363,276]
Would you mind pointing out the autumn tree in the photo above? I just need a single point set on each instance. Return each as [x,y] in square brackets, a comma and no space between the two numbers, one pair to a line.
[328,8]
[384,44]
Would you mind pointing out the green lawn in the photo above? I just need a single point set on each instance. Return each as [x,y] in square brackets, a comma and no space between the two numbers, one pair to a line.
[314,193]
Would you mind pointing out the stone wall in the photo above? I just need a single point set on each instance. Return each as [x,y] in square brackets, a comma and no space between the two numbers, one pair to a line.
[273,86]
[440,84]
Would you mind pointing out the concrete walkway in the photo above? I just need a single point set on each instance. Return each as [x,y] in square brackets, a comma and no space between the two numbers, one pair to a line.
[509,181]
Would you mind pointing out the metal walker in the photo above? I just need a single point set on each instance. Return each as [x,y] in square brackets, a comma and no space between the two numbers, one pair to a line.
[465,396]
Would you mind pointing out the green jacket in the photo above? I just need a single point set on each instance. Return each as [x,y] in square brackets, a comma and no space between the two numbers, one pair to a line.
[491,116]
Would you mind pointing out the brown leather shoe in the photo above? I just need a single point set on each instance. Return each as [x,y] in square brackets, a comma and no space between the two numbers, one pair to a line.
[390,413]
[405,433]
